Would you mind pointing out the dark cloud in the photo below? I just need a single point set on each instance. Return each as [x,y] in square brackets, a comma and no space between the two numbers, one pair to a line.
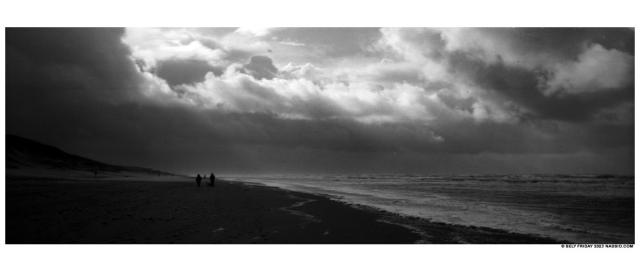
[261,67]
[51,60]
[567,74]
[55,75]
[523,86]
[566,43]
[185,71]
[187,138]
[457,103]
[79,89]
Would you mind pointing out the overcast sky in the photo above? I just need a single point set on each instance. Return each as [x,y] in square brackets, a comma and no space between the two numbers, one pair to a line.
[329,100]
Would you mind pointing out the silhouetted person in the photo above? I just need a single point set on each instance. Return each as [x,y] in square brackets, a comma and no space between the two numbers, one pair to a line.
[212,180]
[198,180]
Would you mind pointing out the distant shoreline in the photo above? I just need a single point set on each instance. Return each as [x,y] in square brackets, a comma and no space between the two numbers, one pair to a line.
[63,211]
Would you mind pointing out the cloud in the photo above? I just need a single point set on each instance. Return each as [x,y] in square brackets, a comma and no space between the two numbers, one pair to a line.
[59,63]
[153,45]
[596,69]
[449,74]
[260,67]
[389,99]
[470,62]
[533,47]
[569,61]
[551,73]
[331,42]
[185,71]
[300,98]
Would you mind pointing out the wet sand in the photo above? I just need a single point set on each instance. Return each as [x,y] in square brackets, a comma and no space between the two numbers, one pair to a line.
[40,210]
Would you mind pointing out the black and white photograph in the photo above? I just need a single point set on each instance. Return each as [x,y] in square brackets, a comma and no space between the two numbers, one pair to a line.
[375,135]
[307,135]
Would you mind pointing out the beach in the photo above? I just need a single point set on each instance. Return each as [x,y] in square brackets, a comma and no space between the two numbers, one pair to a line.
[574,208]
[52,210]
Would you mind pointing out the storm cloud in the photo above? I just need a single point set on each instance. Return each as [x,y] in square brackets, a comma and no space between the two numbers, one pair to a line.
[329,100]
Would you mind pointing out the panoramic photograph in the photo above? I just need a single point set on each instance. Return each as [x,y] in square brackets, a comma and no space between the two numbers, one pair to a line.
[319,135]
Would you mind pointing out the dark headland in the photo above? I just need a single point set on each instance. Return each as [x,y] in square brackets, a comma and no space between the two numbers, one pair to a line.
[55,197]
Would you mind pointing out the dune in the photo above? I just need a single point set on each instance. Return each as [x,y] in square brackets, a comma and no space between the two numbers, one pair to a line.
[25,157]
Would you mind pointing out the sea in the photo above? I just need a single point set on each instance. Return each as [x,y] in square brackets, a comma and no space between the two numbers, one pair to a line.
[572,208]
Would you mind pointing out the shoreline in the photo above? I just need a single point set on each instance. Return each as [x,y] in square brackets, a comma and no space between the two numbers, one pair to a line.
[431,232]
[55,210]
[425,228]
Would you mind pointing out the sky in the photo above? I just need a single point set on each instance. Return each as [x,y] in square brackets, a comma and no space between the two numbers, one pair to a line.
[329,100]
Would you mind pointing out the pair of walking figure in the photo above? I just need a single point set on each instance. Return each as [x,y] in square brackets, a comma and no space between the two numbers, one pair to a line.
[212,180]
